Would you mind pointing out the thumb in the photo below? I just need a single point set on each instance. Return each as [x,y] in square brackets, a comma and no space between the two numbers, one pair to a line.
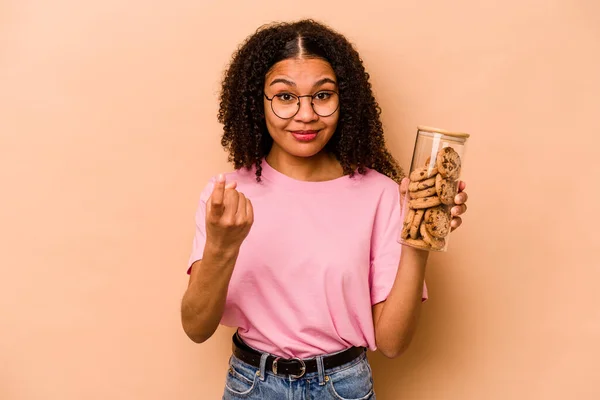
[404,186]
[404,191]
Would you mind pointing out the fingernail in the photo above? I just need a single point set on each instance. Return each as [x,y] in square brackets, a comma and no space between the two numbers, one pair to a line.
[221,178]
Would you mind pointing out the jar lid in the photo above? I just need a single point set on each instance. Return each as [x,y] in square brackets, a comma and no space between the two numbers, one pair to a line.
[443,131]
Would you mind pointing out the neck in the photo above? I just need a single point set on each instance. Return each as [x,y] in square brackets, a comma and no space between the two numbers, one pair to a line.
[320,167]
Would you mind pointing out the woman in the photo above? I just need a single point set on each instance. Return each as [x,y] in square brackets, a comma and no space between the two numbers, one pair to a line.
[298,247]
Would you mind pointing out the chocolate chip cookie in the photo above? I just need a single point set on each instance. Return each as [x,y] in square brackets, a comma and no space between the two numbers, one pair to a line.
[437,221]
[424,202]
[417,243]
[448,163]
[407,223]
[420,185]
[424,193]
[435,243]
[446,189]
[420,174]
[416,223]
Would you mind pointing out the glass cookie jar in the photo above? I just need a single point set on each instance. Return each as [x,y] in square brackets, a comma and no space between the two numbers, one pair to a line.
[434,175]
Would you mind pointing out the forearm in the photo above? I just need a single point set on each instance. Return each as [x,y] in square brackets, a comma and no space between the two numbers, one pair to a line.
[398,319]
[204,300]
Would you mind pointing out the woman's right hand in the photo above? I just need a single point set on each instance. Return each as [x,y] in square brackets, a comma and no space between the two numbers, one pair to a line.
[229,216]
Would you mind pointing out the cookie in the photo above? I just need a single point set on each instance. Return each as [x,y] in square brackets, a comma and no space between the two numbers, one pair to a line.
[407,223]
[429,164]
[437,222]
[435,243]
[420,174]
[417,243]
[424,202]
[448,163]
[446,189]
[416,223]
[420,185]
[423,193]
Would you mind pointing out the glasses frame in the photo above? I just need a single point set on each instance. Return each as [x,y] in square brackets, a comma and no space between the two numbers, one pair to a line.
[312,96]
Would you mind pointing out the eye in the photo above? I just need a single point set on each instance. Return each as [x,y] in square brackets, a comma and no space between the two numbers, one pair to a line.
[323,96]
[285,97]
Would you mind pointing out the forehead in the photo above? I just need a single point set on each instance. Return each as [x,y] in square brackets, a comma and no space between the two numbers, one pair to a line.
[301,69]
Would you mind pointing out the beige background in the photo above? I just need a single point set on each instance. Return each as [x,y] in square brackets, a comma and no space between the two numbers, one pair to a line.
[108,133]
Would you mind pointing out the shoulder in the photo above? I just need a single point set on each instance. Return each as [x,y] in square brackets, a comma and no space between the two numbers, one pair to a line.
[242,175]
[383,192]
[376,180]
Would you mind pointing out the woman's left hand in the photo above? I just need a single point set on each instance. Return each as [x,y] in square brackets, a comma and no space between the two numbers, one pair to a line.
[460,207]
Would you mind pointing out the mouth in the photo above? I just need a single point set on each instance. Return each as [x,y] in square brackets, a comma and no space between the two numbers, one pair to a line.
[305,136]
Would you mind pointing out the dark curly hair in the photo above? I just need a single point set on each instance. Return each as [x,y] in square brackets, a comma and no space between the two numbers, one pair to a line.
[358,141]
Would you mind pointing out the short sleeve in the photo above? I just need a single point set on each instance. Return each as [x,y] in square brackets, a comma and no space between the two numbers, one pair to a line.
[385,248]
[200,222]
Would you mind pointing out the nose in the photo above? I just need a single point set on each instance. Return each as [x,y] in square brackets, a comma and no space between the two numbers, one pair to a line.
[306,113]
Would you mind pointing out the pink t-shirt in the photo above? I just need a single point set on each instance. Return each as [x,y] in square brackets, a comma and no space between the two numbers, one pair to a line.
[317,257]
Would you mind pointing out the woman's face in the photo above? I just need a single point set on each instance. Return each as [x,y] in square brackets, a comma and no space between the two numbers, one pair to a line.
[306,133]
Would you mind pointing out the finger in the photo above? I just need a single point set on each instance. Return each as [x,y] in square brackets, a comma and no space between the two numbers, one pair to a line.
[231,204]
[403,191]
[217,196]
[231,185]
[404,185]
[455,223]
[249,211]
[459,210]
[461,198]
[241,209]
[461,186]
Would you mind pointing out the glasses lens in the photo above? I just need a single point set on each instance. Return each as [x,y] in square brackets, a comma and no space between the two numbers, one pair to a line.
[285,105]
[325,103]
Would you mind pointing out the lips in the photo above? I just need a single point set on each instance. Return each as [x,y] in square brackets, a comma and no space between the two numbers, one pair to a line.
[305,136]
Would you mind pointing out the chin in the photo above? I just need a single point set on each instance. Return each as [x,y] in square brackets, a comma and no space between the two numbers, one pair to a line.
[304,151]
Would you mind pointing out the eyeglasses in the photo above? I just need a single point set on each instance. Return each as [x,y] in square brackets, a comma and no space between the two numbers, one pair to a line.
[287,105]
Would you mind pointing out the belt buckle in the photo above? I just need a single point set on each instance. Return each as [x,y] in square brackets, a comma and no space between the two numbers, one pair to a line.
[302,367]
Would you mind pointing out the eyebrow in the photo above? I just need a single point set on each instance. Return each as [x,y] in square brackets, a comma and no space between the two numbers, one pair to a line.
[324,81]
[290,83]
[281,80]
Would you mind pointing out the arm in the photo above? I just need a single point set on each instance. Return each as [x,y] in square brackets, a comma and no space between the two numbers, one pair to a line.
[204,300]
[229,217]
[395,319]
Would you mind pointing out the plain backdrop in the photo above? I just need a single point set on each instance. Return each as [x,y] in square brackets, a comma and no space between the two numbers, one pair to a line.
[108,133]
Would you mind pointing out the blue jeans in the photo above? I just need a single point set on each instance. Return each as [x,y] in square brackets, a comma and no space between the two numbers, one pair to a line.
[351,381]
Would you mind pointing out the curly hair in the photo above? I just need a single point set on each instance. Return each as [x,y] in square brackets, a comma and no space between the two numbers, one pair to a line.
[358,142]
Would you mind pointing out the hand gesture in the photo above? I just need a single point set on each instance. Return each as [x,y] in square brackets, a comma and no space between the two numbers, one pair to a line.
[229,216]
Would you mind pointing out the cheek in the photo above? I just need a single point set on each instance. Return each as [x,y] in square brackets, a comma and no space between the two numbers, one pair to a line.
[268,116]
[332,123]
[274,124]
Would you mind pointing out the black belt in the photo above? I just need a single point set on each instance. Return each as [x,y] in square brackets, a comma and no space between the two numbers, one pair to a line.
[293,367]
